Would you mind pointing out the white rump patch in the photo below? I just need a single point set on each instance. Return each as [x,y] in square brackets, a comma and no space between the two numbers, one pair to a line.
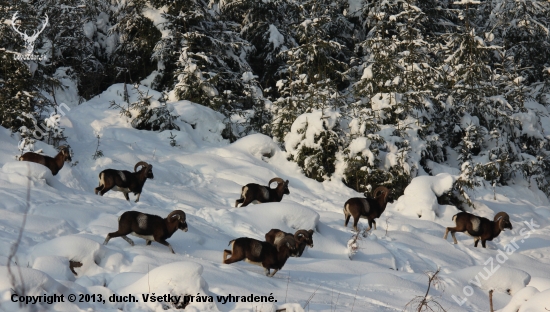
[245,189]
[142,221]
[122,176]
[475,223]
[265,192]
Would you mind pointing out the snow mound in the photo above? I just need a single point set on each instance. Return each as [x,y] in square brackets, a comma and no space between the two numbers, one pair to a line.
[504,279]
[207,123]
[420,198]
[75,248]
[36,283]
[540,283]
[520,298]
[55,266]
[177,279]
[17,171]
[538,302]
[257,145]
[256,220]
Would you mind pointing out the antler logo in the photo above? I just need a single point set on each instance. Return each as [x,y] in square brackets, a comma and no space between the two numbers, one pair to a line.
[29,40]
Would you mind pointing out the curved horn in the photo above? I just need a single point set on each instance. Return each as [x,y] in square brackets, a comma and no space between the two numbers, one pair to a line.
[141,163]
[278,180]
[304,234]
[179,213]
[380,189]
[501,214]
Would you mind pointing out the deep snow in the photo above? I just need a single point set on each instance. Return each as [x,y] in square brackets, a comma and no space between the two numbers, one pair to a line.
[203,176]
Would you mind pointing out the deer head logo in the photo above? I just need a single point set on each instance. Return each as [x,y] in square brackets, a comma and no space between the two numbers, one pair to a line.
[29,40]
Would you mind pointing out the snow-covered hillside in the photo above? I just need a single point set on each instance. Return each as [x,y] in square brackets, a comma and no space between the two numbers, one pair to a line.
[203,175]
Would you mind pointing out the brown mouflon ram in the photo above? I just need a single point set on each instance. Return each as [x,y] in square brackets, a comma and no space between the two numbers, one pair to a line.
[149,227]
[125,181]
[366,208]
[54,164]
[263,194]
[260,253]
[302,238]
[478,227]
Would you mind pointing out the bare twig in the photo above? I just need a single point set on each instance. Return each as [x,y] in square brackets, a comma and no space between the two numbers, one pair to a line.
[491,300]
[425,303]
[311,297]
[387,225]
[336,303]
[287,282]
[353,243]
[356,290]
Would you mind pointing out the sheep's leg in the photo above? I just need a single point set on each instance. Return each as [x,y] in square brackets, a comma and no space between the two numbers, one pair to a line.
[137,199]
[105,190]
[483,243]
[131,242]
[231,259]
[374,222]
[266,272]
[98,189]
[346,218]
[225,253]
[117,234]
[274,271]
[452,230]
[355,222]
[246,202]
[148,242]
[167,244]
[126,196]
[454,238]
[239,201]
[370,225]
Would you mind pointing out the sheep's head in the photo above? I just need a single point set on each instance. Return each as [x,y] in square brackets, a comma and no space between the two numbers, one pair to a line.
[503,220]
[64,150]
[179,216]
[147,167]
[303,235]
[280,184]
[289,243]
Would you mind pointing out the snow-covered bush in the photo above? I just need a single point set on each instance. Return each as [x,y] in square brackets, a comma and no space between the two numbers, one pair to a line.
[313,142]
[158,118]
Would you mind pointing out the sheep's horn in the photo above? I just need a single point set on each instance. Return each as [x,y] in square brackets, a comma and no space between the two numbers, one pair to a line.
[501,214]
[380,189]
[141,163]
[278,180]
[304,234]
[179,213]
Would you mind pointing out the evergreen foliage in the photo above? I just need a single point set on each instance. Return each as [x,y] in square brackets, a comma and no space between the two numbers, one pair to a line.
[374,94]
